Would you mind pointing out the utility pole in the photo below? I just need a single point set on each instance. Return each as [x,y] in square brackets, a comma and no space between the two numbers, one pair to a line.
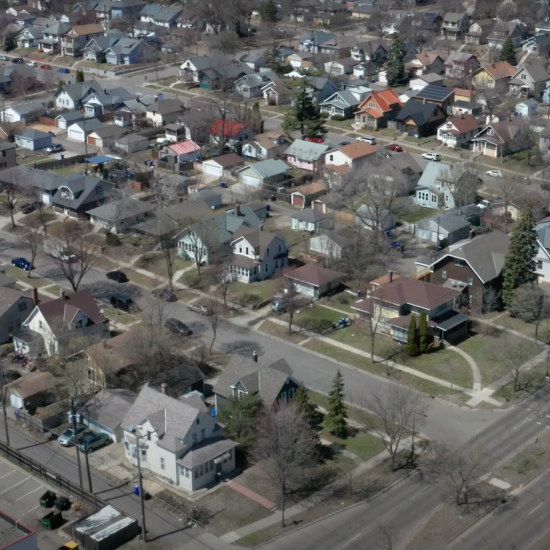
[73,413]
[88,464]
[3,394]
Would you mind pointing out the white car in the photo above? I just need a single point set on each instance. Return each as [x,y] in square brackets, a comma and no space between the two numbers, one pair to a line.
[367,139]
[32,64]
[431,156]
[494,173]
[483,204]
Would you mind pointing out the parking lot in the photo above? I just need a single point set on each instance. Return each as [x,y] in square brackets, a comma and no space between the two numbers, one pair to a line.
[19,497]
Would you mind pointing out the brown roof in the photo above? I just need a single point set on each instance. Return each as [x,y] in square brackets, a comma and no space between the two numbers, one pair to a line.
[91,28]
[499,70]
[464,92]
[66,308]
[311,188]
[111,355]
[427,58]
[32,385]
[229,160]
[357,149]
[314,275]
[464,123]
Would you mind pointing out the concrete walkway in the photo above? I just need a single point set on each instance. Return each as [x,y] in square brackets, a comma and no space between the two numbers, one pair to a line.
[473,365]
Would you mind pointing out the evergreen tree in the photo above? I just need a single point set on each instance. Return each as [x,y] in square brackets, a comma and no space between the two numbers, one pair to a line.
[412,340]
[301,399]
[269,12]
[337,414]
[301,111]
[519,263]
[314,127]
[256,118]
[8,43]
[396,63]
[272,60]
[423,333]
[508,52]
[79,77]
[238,415]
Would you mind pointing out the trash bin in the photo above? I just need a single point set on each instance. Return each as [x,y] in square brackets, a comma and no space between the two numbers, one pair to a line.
[136,490]
[359,294]
[47,499]
[53,520]
[62,156]
[267,207]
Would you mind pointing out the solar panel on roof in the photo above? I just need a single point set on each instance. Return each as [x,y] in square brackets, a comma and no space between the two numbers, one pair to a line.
[434,92]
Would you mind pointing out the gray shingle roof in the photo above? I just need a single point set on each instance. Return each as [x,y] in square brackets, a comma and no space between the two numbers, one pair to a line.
[77,91]
[307,150]
[31,133]
[310,215]
[109,407]
[120,209]
[28,107]
[268,168]
[448,222]
[85,189]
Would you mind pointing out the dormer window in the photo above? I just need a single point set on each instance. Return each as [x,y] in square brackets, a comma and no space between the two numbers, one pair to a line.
[66,193]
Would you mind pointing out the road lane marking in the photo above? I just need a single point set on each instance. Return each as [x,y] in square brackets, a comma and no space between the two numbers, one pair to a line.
[29,511]
[37,489]
[5,475]
[536,508]
[351,540]
[16,485]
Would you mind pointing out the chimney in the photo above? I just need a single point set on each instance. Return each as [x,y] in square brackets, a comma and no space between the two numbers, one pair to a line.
[35,299]
[163,387]
[61,293]
[390,276]
[237,210]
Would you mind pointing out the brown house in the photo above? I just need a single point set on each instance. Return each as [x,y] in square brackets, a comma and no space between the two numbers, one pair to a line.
[475,265]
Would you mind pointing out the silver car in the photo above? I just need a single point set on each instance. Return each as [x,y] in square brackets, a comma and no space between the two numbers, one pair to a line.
[67,438]
[200,308]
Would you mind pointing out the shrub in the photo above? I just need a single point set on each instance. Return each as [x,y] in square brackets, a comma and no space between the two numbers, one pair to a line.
[111,240]
[323,114]
[191,278]
[338,118]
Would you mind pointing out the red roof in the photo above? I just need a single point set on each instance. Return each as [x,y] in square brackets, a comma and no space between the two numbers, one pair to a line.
[230,128]
[386,100]
[184,147]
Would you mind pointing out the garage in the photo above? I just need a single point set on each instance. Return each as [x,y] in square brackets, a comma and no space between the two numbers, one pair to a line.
[76,133]
[212,168]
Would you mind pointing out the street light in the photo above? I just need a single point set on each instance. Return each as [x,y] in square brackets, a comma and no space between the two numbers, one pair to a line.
[414,429]
[140,482]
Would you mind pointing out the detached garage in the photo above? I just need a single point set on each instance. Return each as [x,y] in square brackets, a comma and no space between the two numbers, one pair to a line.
[31,391]
[65,120]
[312,280]
[220,167]
[82,128]
[33,139]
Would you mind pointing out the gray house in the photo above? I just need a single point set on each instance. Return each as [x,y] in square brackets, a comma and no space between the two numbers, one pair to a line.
[120,216]
[15,307]
[443,230]
[267,171]
[132,143]
[64,120]
[129,51]
[251,85]
[33,139]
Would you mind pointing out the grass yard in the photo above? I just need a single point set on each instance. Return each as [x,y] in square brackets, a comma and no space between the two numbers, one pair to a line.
[252,294]
[34,281]
[365,446]
[168,81]
[119,317]
[34,217]
[413,213]
[525,328]
[316,319]
[156,263]
[342,302]
[106,264]
[489,352]
[185,295]
[517,162]
[70,170]
[141,279]
[281,332]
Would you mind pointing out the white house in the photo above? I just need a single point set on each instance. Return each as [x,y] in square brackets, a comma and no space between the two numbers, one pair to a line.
[266,146]
[69,97]
[22,112]
[529,107]
[543,253]
[80,130]
[178,440]
[458,131]
[354,155]
[69,316]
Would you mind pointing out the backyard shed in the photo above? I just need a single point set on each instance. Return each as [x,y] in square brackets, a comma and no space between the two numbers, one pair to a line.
[31,391]
[106,529]
[313,280]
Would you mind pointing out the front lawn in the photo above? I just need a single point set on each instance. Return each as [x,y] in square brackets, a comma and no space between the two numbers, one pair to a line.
[525,328]
[156,263]
[342,302]
[315,319]
[118,316]
[141,279]
[281,331]
[252,294]
[365,446]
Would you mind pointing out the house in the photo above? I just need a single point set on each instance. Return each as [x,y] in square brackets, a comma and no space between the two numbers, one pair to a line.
[313,280]
[113,9]
[529,107]
[371,218]
[244,376]
[334,245]
[232,134]
[438,95]
[15,306]
[80,130]
[14,73]
[69,97]
[132,112]
[255,255]
[542,26]
[458,131]
[354,155]
[129,51]
[194,68]
[39,181]
[96,103]
[29,37]
[340,66]
[464,103]
[27,112]
[435,191]
[76,39]
[503,30]
[319,89]
[493,75]
[303,195]
[184,151]
[375,51]
[51,41]
[344,103]
[266,146]
[310,220]
[253,60]
[222,166]
[537,45]
[455,26]
[8,157]
[64,120]
[79,194]
[119,216]
[213,236]
[276,93]
[543,252]
[474,264]
[132,143]
[377,109]
[251,85]
[70,316]
[443,229]
[33,139]
[165,111]
[167,16]
[306,155]
[178,439]
[426,63]
[367,70]
[95,49]
[394,303]
[479,31]
[430,79]
[420,119]
[530,80]
[460,65]
[176,132]
[106,410]
[31,392]
[105,136]
[271,172]
[497,139]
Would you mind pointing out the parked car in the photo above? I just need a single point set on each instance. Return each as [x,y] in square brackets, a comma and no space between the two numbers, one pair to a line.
[367,139]
[483,204]
[279,304]
[394,147]
[316,139]
[431,156]
[176,326]
[90,442]
[45,67]
[4,58]
[342,143]
[164,294]
[17,60]
[200,308]
[117,276]
[124,303]
[67,437]
[22,263]
[28,207]
[63,70]
[494,173]
[54,148]
[32,63]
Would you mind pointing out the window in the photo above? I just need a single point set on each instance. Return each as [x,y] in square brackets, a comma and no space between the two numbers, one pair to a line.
[444,274]
[196,474]
[523,76]
[276,264]
[459,262]
[203,434]
[201,470]
[372,105]
[331,157]
[22,306]
[194,439]
[470,280]
[280,247]
[211,465]
[539,264]
[283,395]
[434,198]
[187,472]
[198,420]
[162,464]
[266,268]
[267,251]
[291,393]
[40,324]
[246,250]
[240,249]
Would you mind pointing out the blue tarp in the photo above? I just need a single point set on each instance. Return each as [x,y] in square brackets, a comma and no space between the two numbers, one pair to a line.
[100,159]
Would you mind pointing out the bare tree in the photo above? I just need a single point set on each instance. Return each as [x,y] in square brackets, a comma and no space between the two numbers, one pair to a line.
[514,355]
[488,300]
[9,197]
[221,278]
[490,98]
[72,253]
[510,189]
[21,84]
[531,305]
[213,317]
[32,239]
[288,294]
[461,181]
[165,190]
[225,42]
[396,410]
[217,14]
[285,448]
[202,239]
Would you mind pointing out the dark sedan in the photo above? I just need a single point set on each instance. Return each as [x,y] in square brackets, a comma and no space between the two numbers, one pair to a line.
[117,276]
[176,326]
[22,263]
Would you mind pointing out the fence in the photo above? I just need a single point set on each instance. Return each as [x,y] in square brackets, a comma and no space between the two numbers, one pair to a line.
[36,468]
[47,121]
[59,163]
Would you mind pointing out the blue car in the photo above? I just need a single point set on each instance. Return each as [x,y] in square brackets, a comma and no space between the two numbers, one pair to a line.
[22,263]
[63,70]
